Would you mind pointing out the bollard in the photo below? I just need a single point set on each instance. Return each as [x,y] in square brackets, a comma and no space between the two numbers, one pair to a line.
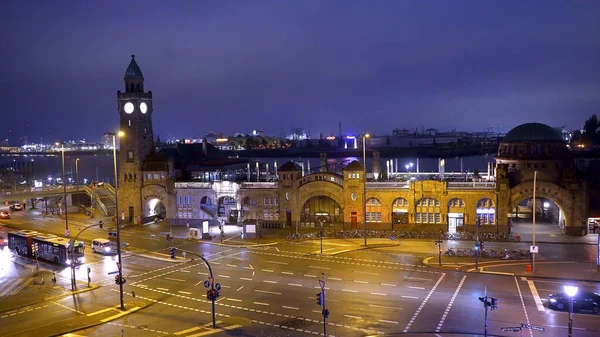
[528,268]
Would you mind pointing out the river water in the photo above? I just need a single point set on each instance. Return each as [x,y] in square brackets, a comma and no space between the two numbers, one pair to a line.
[100,166]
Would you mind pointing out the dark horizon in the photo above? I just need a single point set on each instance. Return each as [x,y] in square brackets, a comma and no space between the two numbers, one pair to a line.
[237,66]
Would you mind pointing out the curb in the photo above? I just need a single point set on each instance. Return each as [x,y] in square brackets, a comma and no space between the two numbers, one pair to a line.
[472,271]
[364,248]
[240,245]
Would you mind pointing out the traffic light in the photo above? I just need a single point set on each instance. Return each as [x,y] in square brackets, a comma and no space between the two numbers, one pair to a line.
[320,299]
[173,250]
[494,303]
[117,279]
[481,245]
[476,245]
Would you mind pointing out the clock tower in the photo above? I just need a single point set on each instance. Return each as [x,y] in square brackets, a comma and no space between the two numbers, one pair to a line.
[135,111]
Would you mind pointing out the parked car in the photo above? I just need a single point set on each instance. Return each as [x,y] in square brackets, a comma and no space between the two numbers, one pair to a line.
[103,246]
[4,215]
[16,207]
[583,300]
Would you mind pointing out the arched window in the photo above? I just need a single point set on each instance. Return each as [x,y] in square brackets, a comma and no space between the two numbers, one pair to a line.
[248,201]
[456,202]
[486,212]
[373,210]
[400,203]
[427,210]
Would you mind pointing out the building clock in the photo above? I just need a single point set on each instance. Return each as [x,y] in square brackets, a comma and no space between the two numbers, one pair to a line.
[143,107]
[129,107]
[353,196]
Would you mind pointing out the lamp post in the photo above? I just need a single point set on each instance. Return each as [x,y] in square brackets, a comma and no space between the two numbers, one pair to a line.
[533,214]
[571,292]
[120,266]
[77,178]
[62,150]
[365,184]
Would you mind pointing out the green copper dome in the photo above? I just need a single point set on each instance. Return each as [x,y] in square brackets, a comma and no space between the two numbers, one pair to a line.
[532,133]
[133,70]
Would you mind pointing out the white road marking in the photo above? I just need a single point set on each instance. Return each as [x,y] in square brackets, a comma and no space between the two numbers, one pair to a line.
[267,270]
[261,303]
[349,291]
[441,322]
[163,289]
[202,273]
[225,276]
[267,292]
[334,278]
[350,316]
[291,308]
[308,275]
[248,268]
[233,299]
[414,317]
[523,278]
[240,288]
[287,273]
[383,306]
[357,281]
[315,267]
[388,285]
[277,249]
[386,321]
[420,288]
[523,305]
[174,279]
[563,327]
[319,287]
[268,281]
[536,296]
[412,297]
[418,278]
[277,262]
[294,284]
[366,272]
[318,311]
[184,292]
[182,270]
[379,294]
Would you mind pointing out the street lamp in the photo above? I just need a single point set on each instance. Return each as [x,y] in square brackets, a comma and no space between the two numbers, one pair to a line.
[365,185]
[62,150]
[533,214]
[571,291]
[77,178]
[120,266]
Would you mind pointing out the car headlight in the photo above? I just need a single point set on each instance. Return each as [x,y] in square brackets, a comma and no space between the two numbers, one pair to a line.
[106,249]
[552,300]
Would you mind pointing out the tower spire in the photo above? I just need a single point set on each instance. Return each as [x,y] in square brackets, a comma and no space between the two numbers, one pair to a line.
[134,79]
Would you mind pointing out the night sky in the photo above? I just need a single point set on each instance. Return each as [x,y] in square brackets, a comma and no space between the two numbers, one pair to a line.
[235,66]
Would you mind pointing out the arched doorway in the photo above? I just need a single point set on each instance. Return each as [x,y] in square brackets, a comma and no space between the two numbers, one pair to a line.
[456,215]
[549,217]
[227,209]
[321,210]
[399,212]
[208,208]
[154,208]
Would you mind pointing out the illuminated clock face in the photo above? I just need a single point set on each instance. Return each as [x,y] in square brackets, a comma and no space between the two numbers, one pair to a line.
[353,196]
[129,107]
[143,107]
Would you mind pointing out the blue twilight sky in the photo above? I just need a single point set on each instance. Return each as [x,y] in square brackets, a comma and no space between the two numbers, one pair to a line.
[234,66]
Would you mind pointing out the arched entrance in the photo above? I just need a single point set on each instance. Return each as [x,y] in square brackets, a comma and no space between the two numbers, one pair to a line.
[155,208]
[321,210]
[227,209]
[549,217]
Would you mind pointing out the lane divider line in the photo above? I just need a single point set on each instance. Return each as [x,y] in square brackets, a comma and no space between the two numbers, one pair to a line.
[439,326]
[414,317]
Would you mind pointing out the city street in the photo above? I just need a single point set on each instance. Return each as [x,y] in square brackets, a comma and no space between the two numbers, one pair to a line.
[271,291]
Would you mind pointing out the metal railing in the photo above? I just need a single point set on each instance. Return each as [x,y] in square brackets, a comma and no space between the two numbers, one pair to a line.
[388,184]
[96,198]
[193,184]
[259,185]
[110,189]
[455,185]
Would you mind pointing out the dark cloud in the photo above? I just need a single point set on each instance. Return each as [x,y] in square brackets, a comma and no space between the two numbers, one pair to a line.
[240,65]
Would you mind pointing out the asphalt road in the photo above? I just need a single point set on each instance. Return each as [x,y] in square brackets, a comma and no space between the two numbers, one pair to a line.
[271,291]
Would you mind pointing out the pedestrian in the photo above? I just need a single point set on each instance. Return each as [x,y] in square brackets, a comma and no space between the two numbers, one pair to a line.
[54,278]
[187,224]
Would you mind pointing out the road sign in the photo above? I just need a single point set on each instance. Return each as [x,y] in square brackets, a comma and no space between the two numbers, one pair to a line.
[392,238]
[113,234]
[322,284]
[532,327]
[67,233]
[183,253]
[218,287]
[512,328]
[206,284]
[113,272]
[533,249]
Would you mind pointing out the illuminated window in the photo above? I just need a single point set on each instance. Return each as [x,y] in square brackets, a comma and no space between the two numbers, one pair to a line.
[427,210]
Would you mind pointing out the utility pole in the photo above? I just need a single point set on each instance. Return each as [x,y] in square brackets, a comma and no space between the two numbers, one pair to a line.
[488,303]
[439,244]
[321,302]
[321,235]
[534,208]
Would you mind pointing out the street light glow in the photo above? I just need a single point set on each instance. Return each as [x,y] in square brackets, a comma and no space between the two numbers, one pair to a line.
[546,204]
[120,133]
[367,135]
[571,290]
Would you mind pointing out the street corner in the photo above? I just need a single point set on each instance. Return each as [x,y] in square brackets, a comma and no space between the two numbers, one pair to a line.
[433,262]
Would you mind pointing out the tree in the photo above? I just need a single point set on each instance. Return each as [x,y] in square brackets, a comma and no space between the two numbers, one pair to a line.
[590,130]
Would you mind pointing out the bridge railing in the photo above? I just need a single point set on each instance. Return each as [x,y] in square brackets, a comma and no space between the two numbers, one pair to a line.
[21,190]
[110,188]
[259,185]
